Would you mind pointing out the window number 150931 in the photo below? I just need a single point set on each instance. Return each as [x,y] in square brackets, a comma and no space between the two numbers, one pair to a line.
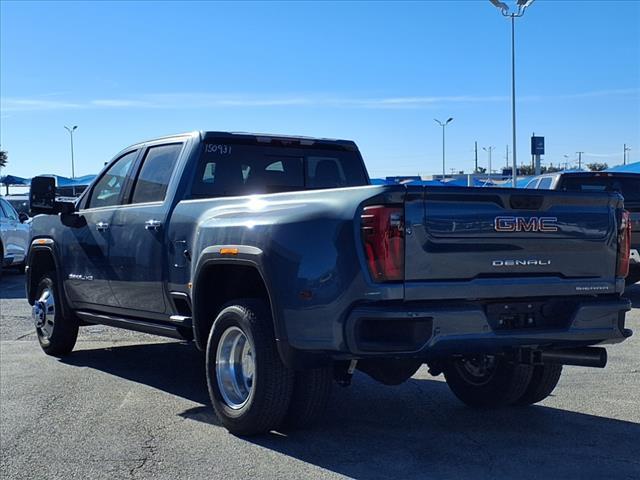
[217,149]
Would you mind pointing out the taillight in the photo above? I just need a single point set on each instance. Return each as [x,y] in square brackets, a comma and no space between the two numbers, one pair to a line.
[383,241]
[624,245]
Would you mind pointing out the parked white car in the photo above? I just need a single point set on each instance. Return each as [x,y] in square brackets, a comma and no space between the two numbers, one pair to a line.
[15,236]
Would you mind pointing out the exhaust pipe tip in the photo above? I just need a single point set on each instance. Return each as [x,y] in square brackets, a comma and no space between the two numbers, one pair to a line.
[581,357]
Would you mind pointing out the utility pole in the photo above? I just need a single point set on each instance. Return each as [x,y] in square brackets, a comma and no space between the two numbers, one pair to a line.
[507,157]
[476,152]
[624,156]
[579,160]
[489,150]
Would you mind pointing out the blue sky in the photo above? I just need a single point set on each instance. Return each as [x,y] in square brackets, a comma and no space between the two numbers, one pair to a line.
[377,73]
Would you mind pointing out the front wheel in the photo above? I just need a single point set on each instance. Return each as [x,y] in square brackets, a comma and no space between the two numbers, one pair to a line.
[487,380]
[57,333]
[249,386]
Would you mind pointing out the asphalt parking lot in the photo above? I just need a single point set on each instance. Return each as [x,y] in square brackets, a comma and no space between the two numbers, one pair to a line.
[128,405]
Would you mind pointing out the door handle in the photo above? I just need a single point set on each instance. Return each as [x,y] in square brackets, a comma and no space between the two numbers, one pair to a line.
[102,226]
[153,225]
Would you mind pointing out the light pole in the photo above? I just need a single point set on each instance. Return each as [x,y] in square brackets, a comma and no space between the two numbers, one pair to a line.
[443,125]
[624,156]
[73,170]
[504,9]
[489,150]
[71,130]
[579,160]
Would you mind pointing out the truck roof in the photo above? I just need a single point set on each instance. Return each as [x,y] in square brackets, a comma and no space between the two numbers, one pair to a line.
[263,138]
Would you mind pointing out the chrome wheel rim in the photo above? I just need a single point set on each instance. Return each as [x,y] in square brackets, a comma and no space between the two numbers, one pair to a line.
[235,367]
[44,312]
[478,369]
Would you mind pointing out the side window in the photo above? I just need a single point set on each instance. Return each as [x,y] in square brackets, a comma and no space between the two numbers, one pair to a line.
[107,191]
[157,167]
[545,183]
[2,207]
[9,212]
[532,183]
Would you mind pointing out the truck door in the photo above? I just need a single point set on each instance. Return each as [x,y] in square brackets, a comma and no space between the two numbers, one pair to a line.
[138,232]
[86,240]
[8,225]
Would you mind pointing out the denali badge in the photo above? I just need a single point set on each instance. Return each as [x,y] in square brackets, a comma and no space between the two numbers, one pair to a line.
[76,276]
[520,263]
[522,224]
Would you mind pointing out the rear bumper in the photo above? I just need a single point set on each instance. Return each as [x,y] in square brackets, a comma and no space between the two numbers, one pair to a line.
[422,330]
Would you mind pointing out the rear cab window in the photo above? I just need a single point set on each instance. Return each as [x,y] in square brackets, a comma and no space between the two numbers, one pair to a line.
[244,169]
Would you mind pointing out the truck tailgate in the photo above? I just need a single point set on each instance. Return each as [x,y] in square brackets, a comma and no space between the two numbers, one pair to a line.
[463,234]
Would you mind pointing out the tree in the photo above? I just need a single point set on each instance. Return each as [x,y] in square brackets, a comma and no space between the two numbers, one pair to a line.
[4,158]
[597,167]
[526,170]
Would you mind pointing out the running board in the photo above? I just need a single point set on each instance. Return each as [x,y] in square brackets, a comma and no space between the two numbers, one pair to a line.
[130,324]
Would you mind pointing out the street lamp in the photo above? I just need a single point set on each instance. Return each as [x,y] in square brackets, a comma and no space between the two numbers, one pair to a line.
[443,124]
[71,130]
[489,150]
[504,9]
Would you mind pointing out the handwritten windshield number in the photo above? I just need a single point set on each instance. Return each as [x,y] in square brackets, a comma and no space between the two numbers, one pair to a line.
[218,149]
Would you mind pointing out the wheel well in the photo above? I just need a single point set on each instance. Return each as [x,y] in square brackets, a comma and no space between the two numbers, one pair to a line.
[219,284]
[40,262]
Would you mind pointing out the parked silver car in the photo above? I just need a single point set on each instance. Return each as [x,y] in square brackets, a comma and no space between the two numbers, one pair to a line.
[15,236]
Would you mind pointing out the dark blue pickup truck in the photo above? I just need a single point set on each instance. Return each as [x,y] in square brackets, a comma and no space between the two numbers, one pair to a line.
[278,258]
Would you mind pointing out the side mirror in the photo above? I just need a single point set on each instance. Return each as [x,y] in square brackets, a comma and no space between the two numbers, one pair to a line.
[23,217]
[42,198]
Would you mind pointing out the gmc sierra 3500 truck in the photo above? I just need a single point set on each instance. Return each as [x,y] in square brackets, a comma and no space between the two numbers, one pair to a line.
[278,258]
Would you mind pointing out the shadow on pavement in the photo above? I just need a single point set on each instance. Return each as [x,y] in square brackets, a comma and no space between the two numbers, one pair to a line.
[176,368]
[416,430]
[12,285]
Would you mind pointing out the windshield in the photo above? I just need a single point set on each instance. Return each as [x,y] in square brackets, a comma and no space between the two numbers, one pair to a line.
[226,170]
[628,187]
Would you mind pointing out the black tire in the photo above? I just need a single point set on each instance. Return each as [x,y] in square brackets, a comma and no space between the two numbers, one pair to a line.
[311,393]
[502,385]
[543,380]
[63,331]
[272,383]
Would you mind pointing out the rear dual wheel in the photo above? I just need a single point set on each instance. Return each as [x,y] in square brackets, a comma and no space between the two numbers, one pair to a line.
[492,381]
[251,390]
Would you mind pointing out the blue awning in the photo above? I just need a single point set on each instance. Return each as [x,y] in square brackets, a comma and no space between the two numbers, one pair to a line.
[12,180]
[630,168]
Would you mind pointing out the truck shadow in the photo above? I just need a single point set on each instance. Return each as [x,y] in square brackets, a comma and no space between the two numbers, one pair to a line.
[632,292]
[416,430]
[12,285]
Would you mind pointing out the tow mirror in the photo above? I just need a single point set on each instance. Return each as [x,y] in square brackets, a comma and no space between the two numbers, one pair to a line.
[42,198]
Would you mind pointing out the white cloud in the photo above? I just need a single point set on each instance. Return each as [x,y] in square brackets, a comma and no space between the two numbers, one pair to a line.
[209,100]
